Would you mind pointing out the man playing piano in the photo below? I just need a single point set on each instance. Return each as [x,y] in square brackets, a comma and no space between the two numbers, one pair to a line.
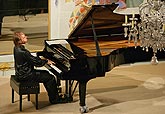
[24,67]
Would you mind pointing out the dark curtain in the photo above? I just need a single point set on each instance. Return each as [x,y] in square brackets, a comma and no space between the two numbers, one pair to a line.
[33,6]
[2,9]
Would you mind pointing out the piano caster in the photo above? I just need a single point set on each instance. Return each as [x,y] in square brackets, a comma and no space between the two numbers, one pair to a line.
[84,109]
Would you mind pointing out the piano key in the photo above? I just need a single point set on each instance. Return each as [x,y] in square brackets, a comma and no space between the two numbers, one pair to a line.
[55,68]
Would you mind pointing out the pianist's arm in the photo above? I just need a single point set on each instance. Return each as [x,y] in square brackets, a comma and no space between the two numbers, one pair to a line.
[37,61]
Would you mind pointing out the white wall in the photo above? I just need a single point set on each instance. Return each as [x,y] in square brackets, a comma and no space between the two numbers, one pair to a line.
[8,59]
[59,14]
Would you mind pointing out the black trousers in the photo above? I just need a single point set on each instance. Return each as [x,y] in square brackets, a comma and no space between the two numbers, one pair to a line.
[49,81]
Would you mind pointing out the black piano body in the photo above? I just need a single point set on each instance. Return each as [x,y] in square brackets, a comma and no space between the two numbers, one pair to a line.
[94,47]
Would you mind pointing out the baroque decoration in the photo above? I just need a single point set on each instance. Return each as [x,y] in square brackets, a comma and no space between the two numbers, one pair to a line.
[150,30]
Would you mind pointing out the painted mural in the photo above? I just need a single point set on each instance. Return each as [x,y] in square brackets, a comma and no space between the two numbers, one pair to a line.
[69,12]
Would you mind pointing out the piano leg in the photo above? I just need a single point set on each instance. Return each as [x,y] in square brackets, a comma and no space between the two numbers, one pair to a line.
[82,93]
[82,96]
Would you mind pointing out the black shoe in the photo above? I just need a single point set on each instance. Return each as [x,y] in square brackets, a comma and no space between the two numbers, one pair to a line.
[59,99]
[53,101]
[62,100]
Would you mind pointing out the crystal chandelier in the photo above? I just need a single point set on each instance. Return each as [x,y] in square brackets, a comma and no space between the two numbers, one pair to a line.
[150,30]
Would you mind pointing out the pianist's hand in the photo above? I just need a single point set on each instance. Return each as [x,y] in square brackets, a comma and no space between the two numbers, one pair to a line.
[50,62]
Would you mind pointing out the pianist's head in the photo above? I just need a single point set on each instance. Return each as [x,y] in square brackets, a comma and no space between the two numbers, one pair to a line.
[19,38]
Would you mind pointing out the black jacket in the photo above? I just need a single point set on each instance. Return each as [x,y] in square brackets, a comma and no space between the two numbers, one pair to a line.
[25,62]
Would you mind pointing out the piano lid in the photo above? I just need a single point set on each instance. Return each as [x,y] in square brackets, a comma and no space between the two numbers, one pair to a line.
[104,20]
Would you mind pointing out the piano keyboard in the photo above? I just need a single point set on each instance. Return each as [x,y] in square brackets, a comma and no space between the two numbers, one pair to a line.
[49,67]
[55,68]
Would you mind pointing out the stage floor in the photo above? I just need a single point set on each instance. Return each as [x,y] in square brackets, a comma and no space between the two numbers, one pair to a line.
[128,89]
[36,28]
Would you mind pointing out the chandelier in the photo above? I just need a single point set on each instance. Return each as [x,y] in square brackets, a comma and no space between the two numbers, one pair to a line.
[149,31]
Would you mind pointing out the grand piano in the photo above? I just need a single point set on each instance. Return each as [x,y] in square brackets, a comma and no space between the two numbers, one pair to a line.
[95,46]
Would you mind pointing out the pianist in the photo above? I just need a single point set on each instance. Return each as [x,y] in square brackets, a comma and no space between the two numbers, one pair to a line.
[24,67]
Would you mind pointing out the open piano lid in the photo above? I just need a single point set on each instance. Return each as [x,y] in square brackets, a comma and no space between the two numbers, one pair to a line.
[104,20]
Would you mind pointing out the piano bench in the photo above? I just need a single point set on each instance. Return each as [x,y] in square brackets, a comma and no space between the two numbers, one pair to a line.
[24,88]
